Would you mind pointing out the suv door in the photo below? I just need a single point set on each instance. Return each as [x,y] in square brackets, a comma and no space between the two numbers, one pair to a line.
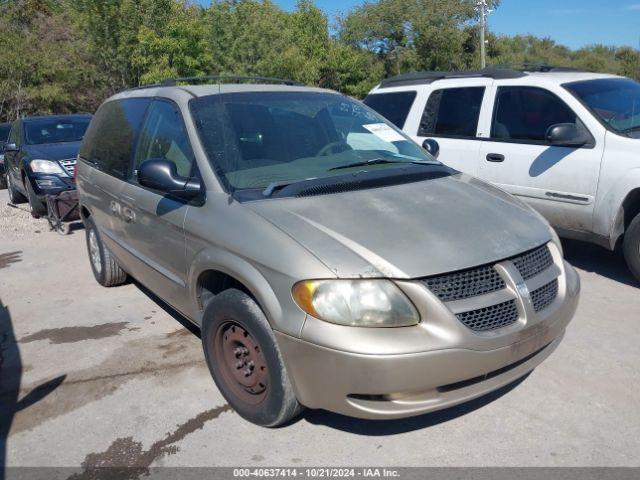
[451,115]
[560,182]
[154,221]
[12,158]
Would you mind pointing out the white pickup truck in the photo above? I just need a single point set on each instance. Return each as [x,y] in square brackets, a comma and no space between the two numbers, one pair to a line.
[567,142]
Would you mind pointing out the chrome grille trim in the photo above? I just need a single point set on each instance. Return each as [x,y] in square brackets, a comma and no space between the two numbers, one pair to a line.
[544,296]
[490,318]
[69,165]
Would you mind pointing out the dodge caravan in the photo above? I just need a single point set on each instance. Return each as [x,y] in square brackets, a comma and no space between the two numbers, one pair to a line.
[329,261]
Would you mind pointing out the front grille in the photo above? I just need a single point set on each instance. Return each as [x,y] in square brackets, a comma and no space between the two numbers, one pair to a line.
[465,284]
[490,318]
[69,166]
[544,296]
[533,262]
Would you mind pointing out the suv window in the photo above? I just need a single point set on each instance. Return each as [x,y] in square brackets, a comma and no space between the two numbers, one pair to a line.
[109,141]
[452,112]
[163,136]
[526,113]
[393,106]
[4,132]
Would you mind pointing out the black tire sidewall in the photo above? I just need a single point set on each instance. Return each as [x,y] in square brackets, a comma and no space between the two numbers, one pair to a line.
[99,276]
[632,247]
[234,305]
[37,207]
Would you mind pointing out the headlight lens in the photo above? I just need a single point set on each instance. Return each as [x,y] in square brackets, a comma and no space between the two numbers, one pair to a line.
[46,166]
[358,303]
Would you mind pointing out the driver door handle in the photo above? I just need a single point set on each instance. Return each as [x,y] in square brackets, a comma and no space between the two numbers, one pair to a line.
[495,157]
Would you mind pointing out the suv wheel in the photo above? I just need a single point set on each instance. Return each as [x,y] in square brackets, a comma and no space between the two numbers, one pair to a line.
[245,362]
[104,266]
[38,208]
[632,246]
[15,197]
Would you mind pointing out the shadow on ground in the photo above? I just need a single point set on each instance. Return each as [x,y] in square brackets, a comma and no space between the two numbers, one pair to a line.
[10,381]
[168,309]
[598,260]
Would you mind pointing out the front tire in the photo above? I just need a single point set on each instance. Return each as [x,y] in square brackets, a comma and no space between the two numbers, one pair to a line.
[245,362]
[15,197]
[105,268]
[631,247]
[38,208]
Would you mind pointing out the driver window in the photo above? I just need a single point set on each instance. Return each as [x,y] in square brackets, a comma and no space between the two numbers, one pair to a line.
[164,137]
[526,113]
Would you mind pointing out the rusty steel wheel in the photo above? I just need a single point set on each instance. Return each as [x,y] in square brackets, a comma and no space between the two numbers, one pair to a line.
[241,363]
[244,359]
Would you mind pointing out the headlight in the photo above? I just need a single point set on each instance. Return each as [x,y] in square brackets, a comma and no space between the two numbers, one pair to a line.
[46,166]
[358,303]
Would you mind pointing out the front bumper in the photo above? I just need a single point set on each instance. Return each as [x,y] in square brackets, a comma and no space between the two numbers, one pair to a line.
[44,185]
[356,382]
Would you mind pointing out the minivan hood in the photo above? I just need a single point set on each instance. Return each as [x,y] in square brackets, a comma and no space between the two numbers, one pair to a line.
[54,151]
[411,230]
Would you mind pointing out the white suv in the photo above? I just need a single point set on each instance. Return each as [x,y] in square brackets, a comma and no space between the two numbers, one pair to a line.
[567,142]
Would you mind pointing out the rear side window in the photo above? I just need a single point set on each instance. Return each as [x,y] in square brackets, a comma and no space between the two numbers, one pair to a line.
[452,112]
[393,106]
[526,113]
[110,139]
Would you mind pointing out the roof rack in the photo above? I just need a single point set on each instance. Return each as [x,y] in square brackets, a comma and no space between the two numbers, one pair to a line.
[531,67]
[421,78]
[170,82]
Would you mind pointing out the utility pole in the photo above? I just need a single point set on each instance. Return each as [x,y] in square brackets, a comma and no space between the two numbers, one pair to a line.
[483,8]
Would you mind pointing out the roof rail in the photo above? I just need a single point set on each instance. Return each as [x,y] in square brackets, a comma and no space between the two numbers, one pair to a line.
[421,78]
[170,82]
[532,67]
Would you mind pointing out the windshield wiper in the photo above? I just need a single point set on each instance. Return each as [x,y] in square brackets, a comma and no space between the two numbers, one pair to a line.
[273,186]
[381,161]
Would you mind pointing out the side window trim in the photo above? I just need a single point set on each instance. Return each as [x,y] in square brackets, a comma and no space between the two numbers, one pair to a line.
[490,138]
[422,133]
[132,176]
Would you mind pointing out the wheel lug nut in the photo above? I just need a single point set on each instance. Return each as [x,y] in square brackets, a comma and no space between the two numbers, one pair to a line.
[247,372]
[239,364]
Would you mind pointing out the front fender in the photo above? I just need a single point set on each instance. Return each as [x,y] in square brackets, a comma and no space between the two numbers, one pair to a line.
[608,218]
[279,308]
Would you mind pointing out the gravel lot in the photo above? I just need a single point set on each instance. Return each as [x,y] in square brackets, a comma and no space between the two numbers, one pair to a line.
[94,376]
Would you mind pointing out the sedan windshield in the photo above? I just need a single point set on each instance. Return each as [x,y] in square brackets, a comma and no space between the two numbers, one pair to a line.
[260,140]
[615,101]
[55,130]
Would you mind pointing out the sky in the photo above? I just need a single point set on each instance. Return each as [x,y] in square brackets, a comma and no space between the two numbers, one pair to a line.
[574,23]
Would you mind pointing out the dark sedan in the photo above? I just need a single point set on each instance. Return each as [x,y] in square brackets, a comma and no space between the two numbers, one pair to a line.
[40,157]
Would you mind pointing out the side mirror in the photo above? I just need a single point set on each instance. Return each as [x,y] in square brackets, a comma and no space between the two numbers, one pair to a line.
[431,146]
[162,175]
[567,135]
[10,147]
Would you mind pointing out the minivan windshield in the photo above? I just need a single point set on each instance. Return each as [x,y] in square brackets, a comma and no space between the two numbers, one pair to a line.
[55,130]
[615,101]
[256,140]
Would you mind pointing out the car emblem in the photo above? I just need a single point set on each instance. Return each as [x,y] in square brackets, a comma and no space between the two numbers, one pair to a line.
[523,290]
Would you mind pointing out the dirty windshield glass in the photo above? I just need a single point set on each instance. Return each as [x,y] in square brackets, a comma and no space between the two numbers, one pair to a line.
[257,139]
[616,102]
